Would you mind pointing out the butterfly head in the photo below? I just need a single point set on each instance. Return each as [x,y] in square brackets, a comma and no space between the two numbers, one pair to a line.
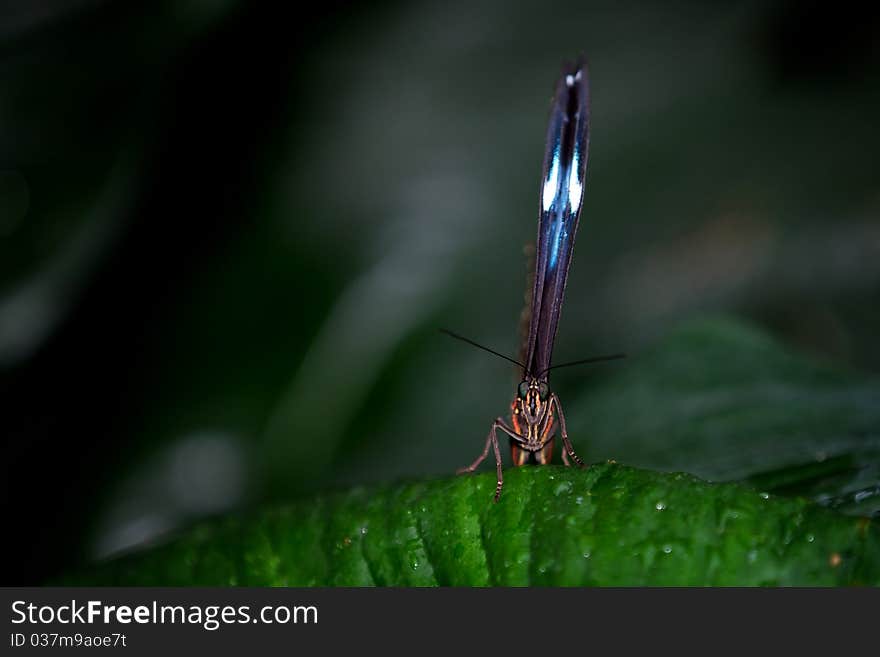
[533,398]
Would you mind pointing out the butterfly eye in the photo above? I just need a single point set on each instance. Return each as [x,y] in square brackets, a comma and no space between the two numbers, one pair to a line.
[523,389]
[543,390]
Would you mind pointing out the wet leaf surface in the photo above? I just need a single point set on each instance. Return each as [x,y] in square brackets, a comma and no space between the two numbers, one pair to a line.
[607,525]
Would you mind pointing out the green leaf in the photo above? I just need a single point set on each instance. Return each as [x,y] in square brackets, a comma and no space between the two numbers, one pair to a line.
[606,525]
[716,397]
[726,402]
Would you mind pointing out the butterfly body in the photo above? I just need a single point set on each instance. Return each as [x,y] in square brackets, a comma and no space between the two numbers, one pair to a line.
[533,421]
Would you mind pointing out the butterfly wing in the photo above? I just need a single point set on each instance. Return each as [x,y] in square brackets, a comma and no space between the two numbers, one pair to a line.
[562,190]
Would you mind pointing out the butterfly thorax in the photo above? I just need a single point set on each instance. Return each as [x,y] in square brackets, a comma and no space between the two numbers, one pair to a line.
[531,415]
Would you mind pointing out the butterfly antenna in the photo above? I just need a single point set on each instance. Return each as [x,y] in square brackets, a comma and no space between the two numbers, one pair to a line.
[595,359]
[479,346]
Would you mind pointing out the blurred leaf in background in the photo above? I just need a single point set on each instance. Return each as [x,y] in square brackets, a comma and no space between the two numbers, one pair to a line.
[230,232]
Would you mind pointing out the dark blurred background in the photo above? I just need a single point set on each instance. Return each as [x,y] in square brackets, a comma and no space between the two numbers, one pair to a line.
[229,231]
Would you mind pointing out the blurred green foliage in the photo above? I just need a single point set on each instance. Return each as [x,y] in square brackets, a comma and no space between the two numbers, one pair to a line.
[727,402]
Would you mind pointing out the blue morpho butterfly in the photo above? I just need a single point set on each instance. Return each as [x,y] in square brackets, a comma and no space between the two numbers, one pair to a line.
[536,411]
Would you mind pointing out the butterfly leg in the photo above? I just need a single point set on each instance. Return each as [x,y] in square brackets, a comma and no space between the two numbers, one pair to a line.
[492,441]
[567,449]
